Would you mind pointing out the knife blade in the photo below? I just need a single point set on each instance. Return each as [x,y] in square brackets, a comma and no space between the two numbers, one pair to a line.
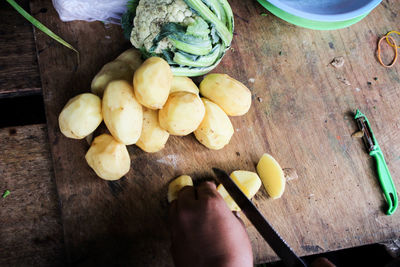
[272,237]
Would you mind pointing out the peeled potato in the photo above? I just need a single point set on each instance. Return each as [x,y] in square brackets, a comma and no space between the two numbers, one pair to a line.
[114,70]
[152,82]
[216,130]
[231,95]
[122,113]
[80,116]
[271,175]
[183,84]
[132,57]
[108,158]
[182,113]
[228,200]
[153,138]
[247,181]
[176,185]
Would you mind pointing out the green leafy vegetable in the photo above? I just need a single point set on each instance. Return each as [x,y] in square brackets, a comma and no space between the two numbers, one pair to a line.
[39,25]
[194,49]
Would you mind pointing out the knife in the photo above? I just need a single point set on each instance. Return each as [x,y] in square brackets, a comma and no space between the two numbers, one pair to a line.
[275,241]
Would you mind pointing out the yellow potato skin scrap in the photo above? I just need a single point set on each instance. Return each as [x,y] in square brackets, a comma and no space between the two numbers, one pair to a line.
[271,175]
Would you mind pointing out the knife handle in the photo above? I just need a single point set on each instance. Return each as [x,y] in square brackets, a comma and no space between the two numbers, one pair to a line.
[386,181]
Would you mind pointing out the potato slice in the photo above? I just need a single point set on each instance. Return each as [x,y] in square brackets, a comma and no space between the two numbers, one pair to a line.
[271,175]
[183,84]
[80,116]
[176,185]
[114,70]
[227,198]
[216,130]
[248,182]
[108,158]
[182,113]
[152,82]
[231,95]
[122,113]
[153,138]
[132,57]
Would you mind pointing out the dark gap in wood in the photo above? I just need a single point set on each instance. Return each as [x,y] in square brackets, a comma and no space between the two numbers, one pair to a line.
[21,111]
[4,94]
[19,72]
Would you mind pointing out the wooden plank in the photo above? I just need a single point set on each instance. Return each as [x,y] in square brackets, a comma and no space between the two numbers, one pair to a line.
[303,120]
[19,72]
[31,232]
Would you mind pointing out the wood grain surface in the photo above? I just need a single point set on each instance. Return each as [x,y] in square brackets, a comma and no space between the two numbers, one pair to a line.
[19,72]
[301,114]
[31,232]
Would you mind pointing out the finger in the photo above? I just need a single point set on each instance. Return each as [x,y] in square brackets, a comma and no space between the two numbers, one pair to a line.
[237,215]
[173,211]
[207,190]
[322,262]
[186,197]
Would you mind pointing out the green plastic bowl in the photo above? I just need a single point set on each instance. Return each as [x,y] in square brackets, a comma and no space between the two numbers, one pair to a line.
[310,24]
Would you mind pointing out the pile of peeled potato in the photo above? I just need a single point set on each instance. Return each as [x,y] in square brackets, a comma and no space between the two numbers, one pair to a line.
[142,103]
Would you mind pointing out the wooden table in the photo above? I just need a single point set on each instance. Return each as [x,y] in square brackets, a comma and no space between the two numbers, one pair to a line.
[301,114]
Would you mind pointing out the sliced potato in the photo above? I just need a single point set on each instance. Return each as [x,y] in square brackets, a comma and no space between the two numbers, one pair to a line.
[122,113]
[247,181]
[80,116]
[216,130]
[176,185]
[132,57]
[114,70]
[153,138]
[183,84]
[227,198]
[231,95]
[182,113]
[271,175]
[152,82]
[108,158]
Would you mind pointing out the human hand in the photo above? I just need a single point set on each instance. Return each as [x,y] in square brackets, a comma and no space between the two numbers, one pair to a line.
[322,262]
[205,232]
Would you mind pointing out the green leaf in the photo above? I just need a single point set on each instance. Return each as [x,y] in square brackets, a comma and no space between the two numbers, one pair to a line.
[168,56]
[147,54]
[198,28]
[191,72]
[132,5]
[6,193]
[127,18]
[40,26]
[191,44]
[166,30]
[186,59]
[229,14]
[214,35]
[217,8]
[176,34]
[224,32]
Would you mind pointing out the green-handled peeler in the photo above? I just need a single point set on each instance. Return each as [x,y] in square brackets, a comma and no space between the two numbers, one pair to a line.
[383,172]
